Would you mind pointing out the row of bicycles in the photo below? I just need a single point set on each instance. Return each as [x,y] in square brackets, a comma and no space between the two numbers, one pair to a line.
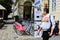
[24,27]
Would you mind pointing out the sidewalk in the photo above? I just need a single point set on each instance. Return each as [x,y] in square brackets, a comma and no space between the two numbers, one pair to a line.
[9,34]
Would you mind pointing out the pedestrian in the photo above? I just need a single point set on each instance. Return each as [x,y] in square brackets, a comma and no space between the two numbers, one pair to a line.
[45,25]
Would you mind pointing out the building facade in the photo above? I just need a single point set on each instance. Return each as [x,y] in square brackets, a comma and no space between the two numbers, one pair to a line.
[25,7]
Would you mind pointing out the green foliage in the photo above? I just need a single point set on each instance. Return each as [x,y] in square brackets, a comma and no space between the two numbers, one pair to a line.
[6,4]
[1,0]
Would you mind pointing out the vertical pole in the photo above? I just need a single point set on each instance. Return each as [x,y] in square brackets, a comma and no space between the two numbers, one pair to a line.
[3,15]
[13,10]
[31,13]
[14,3]
[37,17]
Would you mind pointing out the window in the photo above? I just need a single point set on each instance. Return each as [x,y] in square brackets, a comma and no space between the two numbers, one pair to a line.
[53,5]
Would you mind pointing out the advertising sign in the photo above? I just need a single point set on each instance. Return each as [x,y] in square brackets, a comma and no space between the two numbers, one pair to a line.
[38,10]
[37,14]
[14,1]
[36,26]
[37,17]
[37,2]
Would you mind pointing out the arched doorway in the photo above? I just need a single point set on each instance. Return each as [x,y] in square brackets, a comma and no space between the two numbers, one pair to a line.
[27,9]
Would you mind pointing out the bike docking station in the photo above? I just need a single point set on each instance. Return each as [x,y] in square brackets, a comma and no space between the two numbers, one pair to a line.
[37,18]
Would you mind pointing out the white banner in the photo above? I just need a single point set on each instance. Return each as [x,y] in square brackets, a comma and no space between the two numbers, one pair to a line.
[37,16]
[37,11]
[36,25]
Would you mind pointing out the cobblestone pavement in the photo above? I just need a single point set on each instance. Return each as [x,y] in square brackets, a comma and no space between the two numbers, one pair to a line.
[8,33]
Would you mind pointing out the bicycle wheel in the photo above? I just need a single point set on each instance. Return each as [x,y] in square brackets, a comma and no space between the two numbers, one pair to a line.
[32,31]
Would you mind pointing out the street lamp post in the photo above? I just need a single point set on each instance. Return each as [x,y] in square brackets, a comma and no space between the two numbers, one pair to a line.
[13,6]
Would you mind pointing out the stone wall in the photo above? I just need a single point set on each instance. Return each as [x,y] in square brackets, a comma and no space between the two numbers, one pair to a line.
[54,13]
[21,7]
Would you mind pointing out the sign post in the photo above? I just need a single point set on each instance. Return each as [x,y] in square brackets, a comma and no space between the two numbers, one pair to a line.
[37,18]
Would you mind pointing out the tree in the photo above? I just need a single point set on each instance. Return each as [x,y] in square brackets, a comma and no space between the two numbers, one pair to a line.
[7,5]
[1,0]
